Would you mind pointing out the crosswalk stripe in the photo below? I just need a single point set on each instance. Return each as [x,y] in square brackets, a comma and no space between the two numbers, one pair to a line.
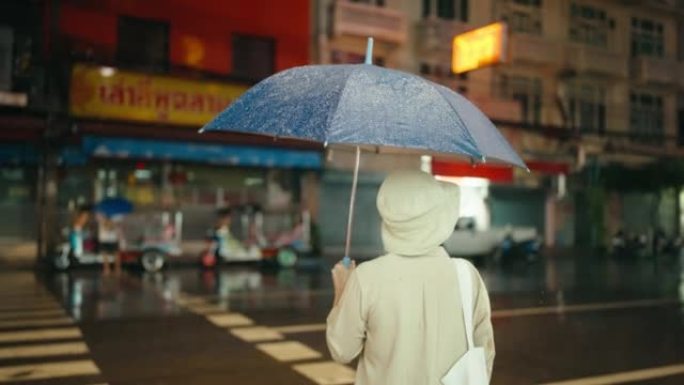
[191,301]
[229,320]
[29,314]
[41,334]
[57,349]
[624,377]
[288,351]
[62,321]
[305,328]
[326,373]
[48,370]
[256,334]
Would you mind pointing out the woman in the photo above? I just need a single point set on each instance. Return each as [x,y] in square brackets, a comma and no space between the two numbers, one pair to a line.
[401,313]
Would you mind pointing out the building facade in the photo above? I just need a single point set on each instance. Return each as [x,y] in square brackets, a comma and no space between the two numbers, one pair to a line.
[115,94]
[583,84]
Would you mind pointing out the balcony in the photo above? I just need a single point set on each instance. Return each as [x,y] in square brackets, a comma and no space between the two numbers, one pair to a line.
[365,20]
[525,48]
[597,61]
[655,70]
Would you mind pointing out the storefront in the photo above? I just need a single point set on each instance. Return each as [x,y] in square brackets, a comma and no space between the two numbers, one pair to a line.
[137,138]
[500,196]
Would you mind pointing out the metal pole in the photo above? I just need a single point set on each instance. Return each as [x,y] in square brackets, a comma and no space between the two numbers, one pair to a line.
[352,200]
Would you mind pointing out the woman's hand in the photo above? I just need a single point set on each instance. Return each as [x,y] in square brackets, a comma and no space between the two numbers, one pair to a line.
[340,275]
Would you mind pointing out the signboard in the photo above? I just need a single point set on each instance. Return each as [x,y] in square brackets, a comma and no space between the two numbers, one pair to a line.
[479,48]
[107,93]
[13,99]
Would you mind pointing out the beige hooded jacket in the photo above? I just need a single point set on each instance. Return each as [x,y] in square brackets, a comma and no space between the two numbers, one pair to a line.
[401,312]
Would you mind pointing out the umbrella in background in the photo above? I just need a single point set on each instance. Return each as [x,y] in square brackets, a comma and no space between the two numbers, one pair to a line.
[363,105]
[112,207]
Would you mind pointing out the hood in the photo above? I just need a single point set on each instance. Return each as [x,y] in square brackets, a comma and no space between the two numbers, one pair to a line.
[418,212]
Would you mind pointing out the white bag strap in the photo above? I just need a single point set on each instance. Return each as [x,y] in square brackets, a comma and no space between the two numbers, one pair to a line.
[465,286]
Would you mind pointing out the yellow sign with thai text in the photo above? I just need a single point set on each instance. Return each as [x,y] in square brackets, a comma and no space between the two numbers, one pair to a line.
[108,93]
[479,48]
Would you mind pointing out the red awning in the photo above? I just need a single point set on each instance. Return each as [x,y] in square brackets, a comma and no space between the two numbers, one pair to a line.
[501,174]
[495,173]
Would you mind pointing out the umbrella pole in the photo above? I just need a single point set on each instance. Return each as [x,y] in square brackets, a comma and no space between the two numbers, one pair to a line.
[350,219]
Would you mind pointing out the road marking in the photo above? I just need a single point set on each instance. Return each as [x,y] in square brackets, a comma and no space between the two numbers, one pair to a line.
[256,334]
[26,314]
[521,312]
[19,323]
[37,335]
[288,351]
[305,328]
[623,377]
[326,373]
[58,349]
[581,308]
[229,320]
[51,370]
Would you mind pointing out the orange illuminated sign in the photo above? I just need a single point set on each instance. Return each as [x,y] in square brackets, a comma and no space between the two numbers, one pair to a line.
[479,48]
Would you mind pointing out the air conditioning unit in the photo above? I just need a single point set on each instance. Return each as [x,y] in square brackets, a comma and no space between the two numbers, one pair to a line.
[6,45]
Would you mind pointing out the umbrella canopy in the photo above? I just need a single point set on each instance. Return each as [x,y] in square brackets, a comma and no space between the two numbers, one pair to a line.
[112,207]
[361,104]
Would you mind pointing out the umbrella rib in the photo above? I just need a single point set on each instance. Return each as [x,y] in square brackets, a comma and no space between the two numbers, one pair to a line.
[458,116]
[331,117]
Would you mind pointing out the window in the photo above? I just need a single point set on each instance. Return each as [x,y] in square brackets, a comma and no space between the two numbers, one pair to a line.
[525,90]
[446,9]
[587,107]
[253,57]
[647,38]
[523,16]
[589,25]
[646,116]
[143,43]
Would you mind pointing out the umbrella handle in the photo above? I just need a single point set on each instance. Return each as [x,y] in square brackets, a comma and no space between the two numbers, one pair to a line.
[346,261]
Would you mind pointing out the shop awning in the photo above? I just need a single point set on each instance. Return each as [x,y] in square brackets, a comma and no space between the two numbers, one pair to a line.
[495,173]
[125,148]
[499,174]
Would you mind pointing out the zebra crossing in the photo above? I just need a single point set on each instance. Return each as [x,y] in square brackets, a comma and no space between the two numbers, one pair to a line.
[308,362]
[39,342]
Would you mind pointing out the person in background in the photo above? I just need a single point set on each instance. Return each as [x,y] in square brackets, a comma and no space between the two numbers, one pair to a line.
[221,234]
[401,313]
[109,239]
[78,231]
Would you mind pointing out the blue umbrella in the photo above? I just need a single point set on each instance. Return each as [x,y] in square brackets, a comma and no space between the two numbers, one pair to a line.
[365,105]
[114,206]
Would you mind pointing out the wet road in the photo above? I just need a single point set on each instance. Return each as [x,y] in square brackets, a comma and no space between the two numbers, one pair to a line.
[565,320]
